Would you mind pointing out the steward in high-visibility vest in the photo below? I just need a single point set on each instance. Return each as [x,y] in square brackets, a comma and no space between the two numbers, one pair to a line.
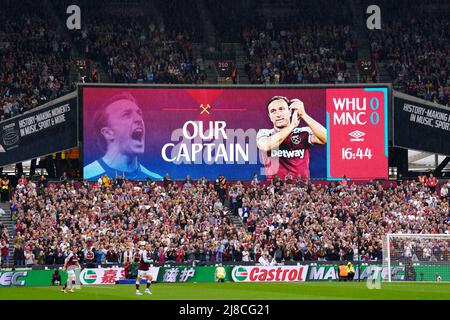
[74,153]
[5,184]
[343,272]
[106,181]
[350,271]
[220,273]
[4,189]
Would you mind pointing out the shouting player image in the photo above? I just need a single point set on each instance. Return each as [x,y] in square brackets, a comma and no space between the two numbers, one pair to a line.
[144,269]
[71,264]
[287,145]
[120,130]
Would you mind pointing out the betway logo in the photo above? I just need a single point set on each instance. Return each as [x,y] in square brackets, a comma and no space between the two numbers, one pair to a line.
[288,153]
[269,273]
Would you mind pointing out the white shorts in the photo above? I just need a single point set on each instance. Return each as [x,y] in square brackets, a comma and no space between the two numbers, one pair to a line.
[71,273]
[142,273]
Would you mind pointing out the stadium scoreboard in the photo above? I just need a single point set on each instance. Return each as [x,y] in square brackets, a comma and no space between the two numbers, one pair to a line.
[213,130]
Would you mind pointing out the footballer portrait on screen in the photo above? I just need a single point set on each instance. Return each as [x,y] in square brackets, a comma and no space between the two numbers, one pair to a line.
[120,133]
[286,146]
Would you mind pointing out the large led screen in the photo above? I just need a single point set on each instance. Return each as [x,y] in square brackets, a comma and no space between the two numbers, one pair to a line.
[289,132]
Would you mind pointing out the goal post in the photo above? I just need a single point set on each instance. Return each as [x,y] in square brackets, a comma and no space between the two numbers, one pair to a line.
[416,257]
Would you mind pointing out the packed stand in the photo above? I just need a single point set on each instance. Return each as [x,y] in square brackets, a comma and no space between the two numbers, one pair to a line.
[283,221]
[304,54]
[312,46]
[415,48]
[137,48]
[34,59]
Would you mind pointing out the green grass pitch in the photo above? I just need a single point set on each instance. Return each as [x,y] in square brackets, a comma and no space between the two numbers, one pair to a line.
[238,291]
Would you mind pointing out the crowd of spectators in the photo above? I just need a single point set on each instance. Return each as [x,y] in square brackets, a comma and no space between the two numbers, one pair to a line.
[135,50]
[36,56]
[136,46]
[293,220]
[416,53]
[34,59]
[302,54]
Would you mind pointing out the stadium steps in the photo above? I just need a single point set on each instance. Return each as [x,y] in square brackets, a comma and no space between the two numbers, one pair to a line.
[364,48]
[351,68]
[383,74]
[60,25]
[209,33]
[236,220]
[241,60]
[360,30]
[209,50]
[234,51]
[197,49]
[211,72]
[76,53]
[7,221]
[271,10]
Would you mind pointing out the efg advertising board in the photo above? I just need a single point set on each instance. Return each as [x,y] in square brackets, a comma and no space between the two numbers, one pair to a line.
[316,132]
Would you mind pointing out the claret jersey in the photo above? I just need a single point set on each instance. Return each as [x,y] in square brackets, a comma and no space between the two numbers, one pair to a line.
[72,261]
[144,256]
[293,154]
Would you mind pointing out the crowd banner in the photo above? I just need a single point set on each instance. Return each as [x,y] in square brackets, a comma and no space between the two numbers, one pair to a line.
[48,129]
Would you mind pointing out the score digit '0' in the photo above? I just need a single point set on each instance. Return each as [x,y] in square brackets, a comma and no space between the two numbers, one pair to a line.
[374,116]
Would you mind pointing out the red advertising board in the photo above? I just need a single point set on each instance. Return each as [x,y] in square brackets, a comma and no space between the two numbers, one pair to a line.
[269,273]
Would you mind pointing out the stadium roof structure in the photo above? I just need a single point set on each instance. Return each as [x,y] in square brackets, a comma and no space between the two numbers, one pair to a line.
[424,161]
[417,161]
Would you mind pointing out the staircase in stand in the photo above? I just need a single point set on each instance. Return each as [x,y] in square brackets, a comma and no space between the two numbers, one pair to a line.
[6,220]
[236,220]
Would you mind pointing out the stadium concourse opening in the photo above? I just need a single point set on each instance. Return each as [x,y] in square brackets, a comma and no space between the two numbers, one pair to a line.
[210,150]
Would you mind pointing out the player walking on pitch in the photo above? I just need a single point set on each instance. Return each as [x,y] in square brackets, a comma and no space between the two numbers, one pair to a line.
[71,264]
[144,269]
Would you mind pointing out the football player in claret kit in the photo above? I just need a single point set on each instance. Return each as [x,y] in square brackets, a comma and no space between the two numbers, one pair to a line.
[287,145]
[71,263]
[144,269]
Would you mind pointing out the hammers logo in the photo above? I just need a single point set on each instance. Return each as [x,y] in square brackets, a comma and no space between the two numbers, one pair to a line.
[296,139]
[205,108]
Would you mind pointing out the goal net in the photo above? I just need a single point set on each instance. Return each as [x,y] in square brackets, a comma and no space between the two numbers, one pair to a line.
[416,257]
